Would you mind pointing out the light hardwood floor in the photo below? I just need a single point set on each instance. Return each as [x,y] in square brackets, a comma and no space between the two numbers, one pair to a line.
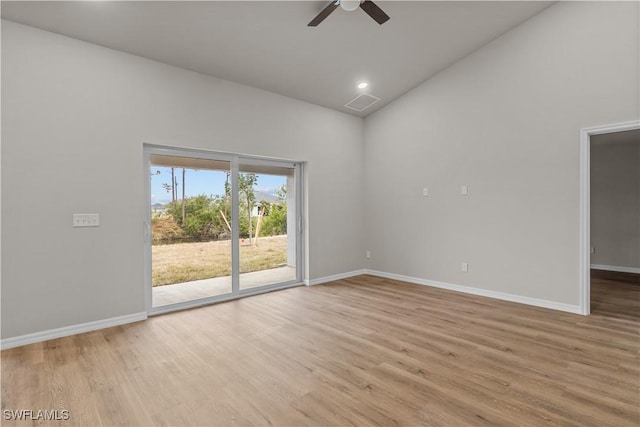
[360,351]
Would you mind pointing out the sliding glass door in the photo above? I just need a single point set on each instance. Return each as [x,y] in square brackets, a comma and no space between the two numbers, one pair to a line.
[219,226]
[267,194]
[191,234]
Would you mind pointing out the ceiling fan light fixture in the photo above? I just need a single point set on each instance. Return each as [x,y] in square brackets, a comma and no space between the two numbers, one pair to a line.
[349,5]
[368,6]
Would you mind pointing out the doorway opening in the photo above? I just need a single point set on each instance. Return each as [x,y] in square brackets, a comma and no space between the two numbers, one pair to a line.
[614,205]
[219,226]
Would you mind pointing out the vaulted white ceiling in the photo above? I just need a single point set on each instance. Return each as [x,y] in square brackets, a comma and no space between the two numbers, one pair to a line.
[267,44]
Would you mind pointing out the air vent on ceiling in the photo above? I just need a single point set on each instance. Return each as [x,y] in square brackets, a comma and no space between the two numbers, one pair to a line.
[362,102]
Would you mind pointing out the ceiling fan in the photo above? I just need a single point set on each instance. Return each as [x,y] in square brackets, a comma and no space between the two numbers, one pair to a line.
[368,6]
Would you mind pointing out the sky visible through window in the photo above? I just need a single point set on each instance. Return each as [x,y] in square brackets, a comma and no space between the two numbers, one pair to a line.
[203,182]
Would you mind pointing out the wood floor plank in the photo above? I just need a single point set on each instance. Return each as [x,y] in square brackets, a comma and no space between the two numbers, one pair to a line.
[615,276]
[359,351]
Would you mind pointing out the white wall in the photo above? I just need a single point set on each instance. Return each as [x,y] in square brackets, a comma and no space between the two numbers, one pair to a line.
[505,121]
[74,118]
[615,199]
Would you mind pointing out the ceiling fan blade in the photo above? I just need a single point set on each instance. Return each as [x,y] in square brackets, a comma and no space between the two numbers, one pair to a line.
[374,11]
[322,15]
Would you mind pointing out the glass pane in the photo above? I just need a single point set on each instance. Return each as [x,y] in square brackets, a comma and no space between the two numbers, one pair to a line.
[267,225]
[191,228]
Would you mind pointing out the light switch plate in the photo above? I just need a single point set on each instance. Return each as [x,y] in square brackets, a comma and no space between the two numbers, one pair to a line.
[86,220]
[425,191]
[465,267]
[464,190]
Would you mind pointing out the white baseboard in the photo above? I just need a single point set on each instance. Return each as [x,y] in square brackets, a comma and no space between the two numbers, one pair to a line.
[70,330]
[481,292]
[615,268]
[135,317]
[326,279]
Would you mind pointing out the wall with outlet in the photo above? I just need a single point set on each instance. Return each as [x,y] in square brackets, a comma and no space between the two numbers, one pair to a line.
[615,200]
[74,119]
[505,122]
[476,169]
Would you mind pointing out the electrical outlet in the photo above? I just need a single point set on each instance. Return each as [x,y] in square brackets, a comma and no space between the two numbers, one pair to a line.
[464,190]
[425,191]
[465,267]
[86,220]
[368,255]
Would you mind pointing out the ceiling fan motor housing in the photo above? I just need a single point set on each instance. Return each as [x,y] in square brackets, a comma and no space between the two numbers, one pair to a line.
[349,5]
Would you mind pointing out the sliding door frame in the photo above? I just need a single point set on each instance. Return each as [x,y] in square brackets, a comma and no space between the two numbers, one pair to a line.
[235,161]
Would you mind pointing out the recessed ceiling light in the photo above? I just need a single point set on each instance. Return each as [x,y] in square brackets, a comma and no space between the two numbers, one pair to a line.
[363,85]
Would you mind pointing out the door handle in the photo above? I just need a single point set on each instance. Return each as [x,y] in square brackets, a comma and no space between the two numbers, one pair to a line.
[146,231]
